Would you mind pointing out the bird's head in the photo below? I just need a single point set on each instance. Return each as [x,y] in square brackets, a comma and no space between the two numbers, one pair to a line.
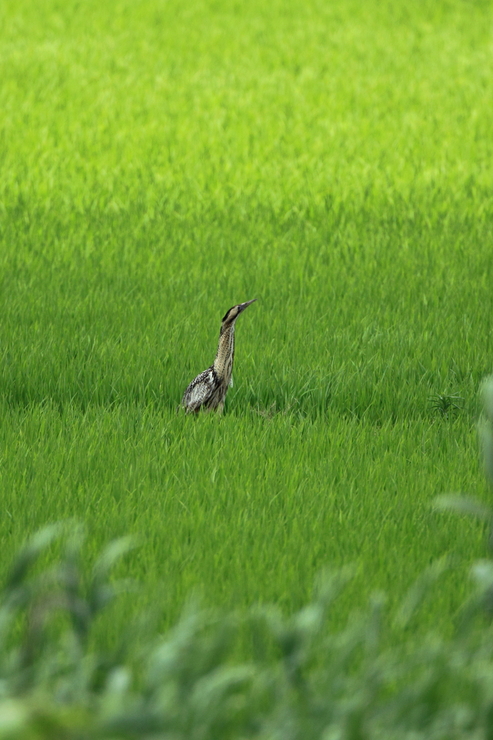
[233,313]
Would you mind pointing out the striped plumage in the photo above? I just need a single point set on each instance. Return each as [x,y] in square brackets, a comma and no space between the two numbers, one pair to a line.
[208,390]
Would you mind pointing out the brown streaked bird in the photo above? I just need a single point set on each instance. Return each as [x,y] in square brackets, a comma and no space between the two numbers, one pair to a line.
[209,389]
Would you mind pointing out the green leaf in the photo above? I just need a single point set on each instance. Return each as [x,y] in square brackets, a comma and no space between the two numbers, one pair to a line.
[30,553]
[463,505]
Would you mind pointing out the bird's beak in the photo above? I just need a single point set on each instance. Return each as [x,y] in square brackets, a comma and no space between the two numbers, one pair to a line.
[242,306]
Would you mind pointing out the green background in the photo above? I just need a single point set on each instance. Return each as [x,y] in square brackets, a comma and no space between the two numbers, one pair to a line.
[162,161]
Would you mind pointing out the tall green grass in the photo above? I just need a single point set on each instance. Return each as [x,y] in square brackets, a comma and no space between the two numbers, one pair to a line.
[304,677]
[163,161]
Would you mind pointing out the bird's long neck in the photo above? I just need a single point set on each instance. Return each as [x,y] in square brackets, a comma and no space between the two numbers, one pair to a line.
[223,364]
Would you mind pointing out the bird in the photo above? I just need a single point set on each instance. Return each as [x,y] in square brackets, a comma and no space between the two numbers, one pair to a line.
[208,390]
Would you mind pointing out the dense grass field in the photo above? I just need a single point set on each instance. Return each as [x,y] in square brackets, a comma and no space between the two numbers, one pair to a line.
[162,161]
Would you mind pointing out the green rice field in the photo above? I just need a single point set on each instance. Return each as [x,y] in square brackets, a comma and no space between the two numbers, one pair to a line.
[162,161]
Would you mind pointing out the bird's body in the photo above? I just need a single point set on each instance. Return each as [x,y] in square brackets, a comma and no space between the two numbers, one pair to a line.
[208,390]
